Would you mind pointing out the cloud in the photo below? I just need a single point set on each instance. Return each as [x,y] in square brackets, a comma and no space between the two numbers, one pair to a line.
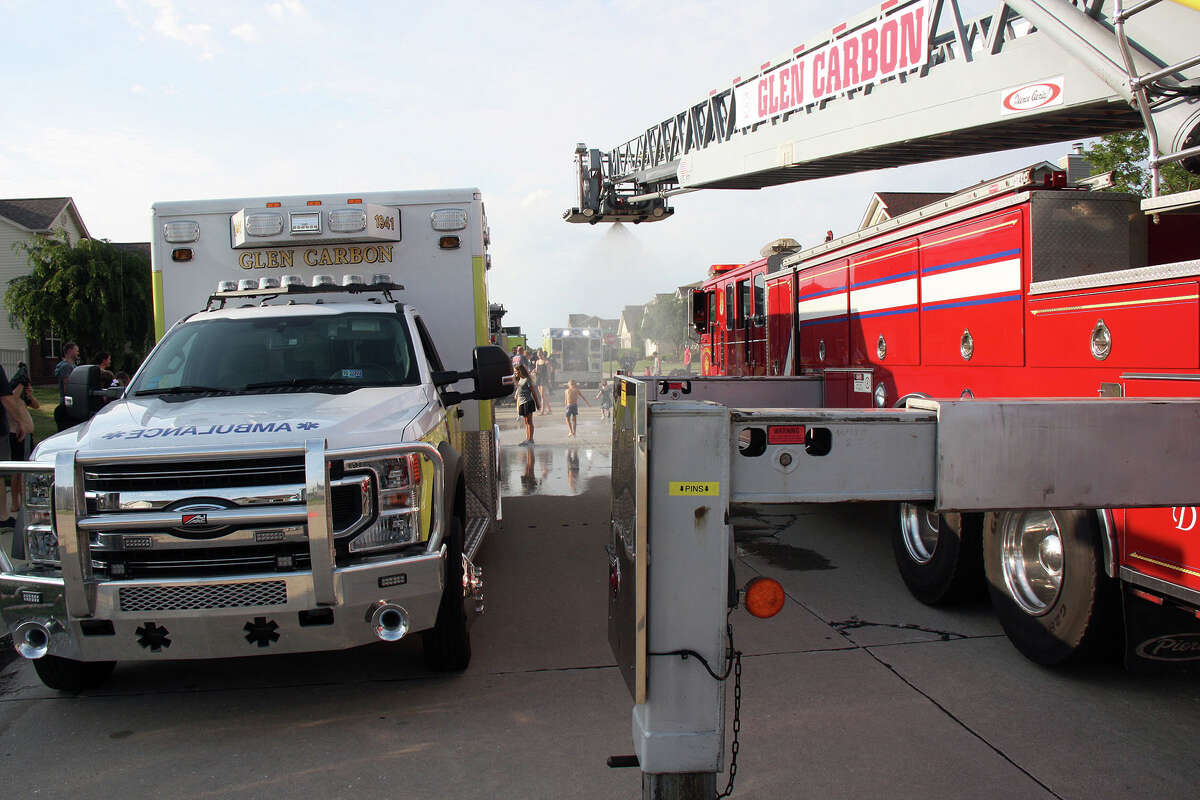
[246,32]
[196,35]
[534,198]
[288,8]
[137,88]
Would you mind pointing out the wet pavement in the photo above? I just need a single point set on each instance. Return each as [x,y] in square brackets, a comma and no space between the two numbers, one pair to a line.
[854,690]
[556,464]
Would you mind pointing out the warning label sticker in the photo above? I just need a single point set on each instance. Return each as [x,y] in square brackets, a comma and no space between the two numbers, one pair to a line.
[695,488]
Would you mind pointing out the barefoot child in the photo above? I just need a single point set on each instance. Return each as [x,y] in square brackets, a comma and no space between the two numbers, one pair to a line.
[526,402]
[571,399]
[604,395]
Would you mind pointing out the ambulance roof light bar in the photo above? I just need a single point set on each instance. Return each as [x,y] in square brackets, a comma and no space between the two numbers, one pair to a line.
[269,288]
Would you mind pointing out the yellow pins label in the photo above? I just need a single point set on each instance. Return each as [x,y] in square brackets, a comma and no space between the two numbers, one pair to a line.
[695,488]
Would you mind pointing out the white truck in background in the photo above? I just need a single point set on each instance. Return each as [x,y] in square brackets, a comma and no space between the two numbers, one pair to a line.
[306,460]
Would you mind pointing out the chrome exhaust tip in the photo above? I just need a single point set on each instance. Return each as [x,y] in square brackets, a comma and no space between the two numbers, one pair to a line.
[389,621]
[31,639]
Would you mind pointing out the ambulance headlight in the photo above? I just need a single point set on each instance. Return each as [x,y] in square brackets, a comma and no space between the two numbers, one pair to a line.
[247,284]
[268,283]
[226,286]
[347,220]
[41,542]
[181,231]
[322,280]
[264,224]
[397,490]
[448,219]
[39,489]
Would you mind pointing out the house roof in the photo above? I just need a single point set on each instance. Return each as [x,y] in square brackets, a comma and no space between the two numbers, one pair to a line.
[632,317]
[35,213]
[898,203]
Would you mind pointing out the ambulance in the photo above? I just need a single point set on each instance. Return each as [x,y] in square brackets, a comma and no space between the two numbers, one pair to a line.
[306,460]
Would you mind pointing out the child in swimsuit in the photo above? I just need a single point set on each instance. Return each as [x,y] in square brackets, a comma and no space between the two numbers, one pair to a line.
[571,400]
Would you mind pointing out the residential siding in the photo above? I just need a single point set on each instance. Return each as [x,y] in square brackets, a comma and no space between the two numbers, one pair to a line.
[13,347]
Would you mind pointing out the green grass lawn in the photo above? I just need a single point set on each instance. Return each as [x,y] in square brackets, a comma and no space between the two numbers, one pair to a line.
[43,418]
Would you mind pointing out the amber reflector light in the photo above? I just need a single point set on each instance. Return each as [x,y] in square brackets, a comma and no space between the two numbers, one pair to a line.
[764,597]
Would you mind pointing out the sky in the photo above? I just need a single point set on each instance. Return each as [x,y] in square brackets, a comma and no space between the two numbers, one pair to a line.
[124,103]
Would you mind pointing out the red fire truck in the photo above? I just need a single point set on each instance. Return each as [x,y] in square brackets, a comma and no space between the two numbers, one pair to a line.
[1020,287]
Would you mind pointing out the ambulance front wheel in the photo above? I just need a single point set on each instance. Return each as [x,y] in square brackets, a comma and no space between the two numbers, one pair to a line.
[1046,577]
[448,644]
[69,675]
[938,555]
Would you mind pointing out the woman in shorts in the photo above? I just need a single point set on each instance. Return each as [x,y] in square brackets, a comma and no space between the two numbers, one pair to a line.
[571,400]
[526,399]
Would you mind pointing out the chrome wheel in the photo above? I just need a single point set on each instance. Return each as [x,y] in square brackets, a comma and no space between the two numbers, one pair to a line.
[1031,559]
[919,529]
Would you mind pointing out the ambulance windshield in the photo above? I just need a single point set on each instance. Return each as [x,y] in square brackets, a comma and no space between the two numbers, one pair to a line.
[320,353]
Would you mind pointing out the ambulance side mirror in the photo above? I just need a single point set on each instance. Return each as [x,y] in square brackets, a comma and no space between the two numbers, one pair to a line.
[83,396]
[492,374]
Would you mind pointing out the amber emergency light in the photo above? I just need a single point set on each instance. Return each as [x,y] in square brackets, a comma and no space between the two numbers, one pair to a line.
[764,597]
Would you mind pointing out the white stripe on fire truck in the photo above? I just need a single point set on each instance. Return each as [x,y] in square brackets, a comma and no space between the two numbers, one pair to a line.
[994,278]
[898,297]
[827,305]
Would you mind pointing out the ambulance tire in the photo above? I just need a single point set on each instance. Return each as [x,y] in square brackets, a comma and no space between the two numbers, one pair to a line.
[448,644]
[1056,604]
[939,555]
[68,675]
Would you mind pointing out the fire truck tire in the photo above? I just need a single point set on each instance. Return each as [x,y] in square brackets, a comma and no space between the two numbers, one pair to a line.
[939,555]
[68,675]
[448,644]
[1046,578]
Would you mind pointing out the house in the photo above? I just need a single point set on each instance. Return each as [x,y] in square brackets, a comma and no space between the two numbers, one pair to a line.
[629,325]
[20,221]
[889,205]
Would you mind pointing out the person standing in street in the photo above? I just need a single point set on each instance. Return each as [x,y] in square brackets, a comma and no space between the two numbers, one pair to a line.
[604,396]
[526,399]
[14,416]
[541,379]
[62,371]
[571,399]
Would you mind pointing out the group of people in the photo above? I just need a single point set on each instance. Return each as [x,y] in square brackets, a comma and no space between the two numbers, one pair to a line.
[534,382]
[16,423]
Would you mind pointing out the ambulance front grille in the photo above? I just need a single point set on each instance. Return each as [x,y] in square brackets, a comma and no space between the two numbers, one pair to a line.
[185,475]
[203,596]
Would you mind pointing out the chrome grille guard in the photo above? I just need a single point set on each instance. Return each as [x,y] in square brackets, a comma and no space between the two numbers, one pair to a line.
[70,509]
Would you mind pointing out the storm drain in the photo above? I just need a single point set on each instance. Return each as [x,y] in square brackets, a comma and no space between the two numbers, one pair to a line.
[216,595]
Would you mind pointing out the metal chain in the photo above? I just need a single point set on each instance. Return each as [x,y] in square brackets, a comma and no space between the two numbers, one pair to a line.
[737,714]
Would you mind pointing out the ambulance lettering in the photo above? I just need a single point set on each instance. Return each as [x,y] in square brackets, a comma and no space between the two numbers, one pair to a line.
[213,430]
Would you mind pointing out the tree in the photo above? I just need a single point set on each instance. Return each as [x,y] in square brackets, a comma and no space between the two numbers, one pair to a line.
[666,323]
[1125,154]
[90,292]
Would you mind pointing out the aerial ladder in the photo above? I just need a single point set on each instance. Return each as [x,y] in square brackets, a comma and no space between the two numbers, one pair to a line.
[913,81]
[905,82]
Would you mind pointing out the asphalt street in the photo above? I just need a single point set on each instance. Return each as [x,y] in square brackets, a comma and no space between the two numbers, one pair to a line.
[854,690]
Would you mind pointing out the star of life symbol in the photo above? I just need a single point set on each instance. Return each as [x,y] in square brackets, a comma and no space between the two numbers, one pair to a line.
[308,426]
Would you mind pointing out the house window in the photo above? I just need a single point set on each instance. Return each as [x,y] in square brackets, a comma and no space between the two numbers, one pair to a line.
[52,346]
